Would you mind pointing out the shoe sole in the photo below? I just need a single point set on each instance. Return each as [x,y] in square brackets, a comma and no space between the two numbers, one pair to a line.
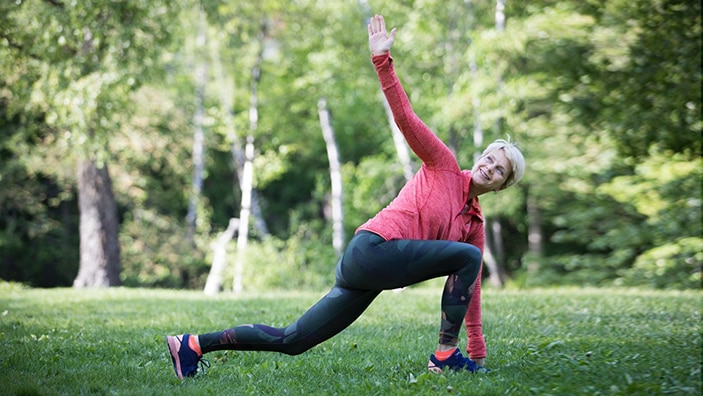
[431,367]
[173,346]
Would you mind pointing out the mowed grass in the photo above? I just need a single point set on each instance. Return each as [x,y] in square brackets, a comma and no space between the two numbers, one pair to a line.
[541,342]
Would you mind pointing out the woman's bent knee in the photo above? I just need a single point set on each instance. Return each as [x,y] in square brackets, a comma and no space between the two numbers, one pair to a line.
[473,254]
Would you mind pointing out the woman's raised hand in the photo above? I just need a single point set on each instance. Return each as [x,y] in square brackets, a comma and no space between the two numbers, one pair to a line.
[380,41]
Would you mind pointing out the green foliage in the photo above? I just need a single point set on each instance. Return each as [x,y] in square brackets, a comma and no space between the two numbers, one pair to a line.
[676,265]
[658,77]
[641,218]
[666,190]
[153,186]
[375,183]
[558,341]
[603,96]
[70,67]
[301,262]
[38,222]
[156,252]
[601,132]
[83,75]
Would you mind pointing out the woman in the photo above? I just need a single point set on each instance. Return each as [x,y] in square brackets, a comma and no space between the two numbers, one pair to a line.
[421,235]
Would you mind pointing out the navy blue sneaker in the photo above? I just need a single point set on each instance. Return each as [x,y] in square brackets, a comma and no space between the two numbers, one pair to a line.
[185,360]
[455,362]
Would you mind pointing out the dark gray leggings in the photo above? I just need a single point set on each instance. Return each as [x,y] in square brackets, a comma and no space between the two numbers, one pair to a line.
[370,265]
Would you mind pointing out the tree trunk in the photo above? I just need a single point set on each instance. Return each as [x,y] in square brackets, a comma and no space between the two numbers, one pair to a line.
[257,217]
[248,171]
[493,267]
[494,253]
[243,236]
[99,242]
[226,92]
[493,256]
[335,177]
[198,133]
[500,15]
[535,237]
[213,285]
[497,235]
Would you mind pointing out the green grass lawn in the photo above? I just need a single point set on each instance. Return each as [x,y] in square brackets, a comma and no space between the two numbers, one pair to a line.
[541,342]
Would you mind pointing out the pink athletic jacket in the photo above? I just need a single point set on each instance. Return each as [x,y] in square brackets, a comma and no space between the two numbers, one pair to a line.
[435,203]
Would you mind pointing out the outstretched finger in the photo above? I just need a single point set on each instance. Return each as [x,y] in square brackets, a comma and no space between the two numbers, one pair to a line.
[382,23]
[374,24]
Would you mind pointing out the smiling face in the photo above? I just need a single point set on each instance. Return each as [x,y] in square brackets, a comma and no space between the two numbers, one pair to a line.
[490,172]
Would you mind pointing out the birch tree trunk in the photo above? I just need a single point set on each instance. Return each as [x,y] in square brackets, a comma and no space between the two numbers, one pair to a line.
[213,285]
[496,264]
[535,235]
[257,216]
[335,177]
[496,269]
[476,103]
[243,236]
[498,274]
[239,159]
[198,132]
[248,169]
[488,258]
[226,92]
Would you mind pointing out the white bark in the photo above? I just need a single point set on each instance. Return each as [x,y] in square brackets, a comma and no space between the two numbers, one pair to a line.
[248,170]
[498,275]
[500,15]
[495,268]
[535,235]
[226,92]
[213,285]
[243,237]
[198,132]
[335,177]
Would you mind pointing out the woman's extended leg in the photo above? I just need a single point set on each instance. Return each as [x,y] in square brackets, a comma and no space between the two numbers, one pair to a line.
[332,314]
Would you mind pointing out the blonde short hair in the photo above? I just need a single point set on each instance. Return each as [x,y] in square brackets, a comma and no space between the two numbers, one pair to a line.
[514,155]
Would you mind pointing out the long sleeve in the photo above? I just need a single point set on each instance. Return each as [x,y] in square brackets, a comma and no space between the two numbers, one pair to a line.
[476,344]
[423,142]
